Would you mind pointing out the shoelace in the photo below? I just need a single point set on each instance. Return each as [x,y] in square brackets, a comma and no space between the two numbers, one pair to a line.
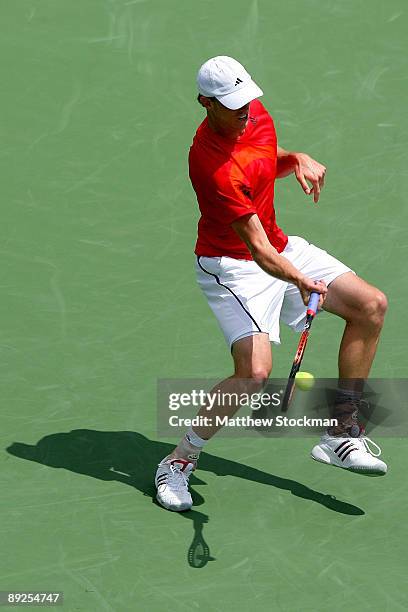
[365,440]
[178,479]
[366,443]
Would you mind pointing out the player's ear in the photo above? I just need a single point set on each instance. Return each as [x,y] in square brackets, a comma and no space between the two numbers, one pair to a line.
[204,101]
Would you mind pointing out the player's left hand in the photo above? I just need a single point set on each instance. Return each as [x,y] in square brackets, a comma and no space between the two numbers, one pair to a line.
[308,170]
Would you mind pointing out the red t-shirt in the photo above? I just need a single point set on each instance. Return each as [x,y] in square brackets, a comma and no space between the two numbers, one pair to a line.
[233,178]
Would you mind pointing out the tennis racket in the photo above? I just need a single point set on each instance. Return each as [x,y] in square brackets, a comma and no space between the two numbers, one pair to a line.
[310,315]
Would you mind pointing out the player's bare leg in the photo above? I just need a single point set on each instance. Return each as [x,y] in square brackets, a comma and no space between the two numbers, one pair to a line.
[252,366]
[363,307]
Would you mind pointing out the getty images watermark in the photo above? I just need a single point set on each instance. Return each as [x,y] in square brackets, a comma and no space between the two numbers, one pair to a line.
[239,414]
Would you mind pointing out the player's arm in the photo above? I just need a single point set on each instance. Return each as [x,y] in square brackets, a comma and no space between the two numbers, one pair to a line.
[251,231]
[306,169]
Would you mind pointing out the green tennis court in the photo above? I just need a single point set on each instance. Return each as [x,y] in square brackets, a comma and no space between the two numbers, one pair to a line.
[99,301]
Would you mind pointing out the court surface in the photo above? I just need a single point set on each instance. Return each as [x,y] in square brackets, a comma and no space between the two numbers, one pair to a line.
[99,301]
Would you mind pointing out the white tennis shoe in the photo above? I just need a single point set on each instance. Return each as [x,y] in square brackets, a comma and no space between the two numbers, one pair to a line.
[172,484]
[354,454]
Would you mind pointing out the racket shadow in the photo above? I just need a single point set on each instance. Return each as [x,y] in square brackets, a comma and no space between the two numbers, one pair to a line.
[131,458]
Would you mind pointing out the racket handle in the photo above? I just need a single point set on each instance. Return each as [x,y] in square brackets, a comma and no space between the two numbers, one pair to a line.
[313,303]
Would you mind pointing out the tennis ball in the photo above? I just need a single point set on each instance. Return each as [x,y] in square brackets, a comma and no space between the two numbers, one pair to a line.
[304,381]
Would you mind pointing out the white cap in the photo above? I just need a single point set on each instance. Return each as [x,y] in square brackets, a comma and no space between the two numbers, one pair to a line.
[227,80]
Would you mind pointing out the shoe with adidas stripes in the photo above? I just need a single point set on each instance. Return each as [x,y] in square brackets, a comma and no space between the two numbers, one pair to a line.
[172,484]
[353,454]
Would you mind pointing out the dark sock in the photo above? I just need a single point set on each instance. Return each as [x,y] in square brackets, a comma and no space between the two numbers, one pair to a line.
[345,411]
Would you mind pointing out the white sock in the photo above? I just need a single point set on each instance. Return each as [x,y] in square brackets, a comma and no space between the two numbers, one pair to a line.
[194,439]
[189,447]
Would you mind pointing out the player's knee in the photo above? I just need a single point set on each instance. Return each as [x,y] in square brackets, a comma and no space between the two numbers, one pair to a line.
[258,375]
[375,308]
[254,376]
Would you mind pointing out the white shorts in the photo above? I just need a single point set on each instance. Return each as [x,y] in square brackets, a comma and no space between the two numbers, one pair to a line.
[246,300]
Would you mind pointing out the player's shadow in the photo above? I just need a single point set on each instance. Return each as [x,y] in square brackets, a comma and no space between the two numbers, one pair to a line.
[131,458]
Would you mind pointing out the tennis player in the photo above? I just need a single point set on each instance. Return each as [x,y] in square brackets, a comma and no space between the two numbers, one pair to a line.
[254,276]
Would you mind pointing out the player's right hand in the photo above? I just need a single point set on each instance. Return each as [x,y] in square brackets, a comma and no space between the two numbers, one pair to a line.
[307,285]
